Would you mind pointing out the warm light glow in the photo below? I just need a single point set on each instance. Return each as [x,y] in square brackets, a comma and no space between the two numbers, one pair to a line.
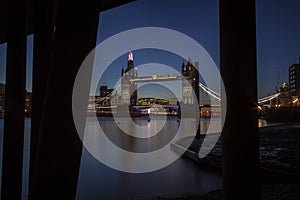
[259,107]
[295,100]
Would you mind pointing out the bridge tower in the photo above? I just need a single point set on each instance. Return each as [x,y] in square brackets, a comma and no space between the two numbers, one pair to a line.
[129,89]
[191,74]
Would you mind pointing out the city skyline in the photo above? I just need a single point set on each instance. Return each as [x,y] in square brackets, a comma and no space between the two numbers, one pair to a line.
[277,35]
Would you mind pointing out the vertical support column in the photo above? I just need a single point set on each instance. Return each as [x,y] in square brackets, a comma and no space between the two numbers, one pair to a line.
[42,55]
[133,89]
[59,146]
[196,80]
[190,87]
[190,84]
[125,97]
[196,90]
[14,101]
[187,84]
[238,70]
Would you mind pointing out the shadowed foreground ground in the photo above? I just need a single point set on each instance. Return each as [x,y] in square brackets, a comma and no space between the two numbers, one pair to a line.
[279,161]
[270,191]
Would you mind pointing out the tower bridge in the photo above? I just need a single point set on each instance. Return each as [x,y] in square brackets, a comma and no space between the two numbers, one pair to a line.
[190,85]
[189,78]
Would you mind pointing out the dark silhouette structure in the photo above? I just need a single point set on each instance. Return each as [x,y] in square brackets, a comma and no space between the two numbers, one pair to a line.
[14,101]
[104,90]
[239,140]
[64,33]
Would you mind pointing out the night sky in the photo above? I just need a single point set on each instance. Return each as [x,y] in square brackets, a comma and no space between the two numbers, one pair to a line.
[278,35]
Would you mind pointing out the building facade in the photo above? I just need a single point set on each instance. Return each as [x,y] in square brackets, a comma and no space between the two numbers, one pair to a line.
[150,101]
[104,90]
[294,80]
[284,98]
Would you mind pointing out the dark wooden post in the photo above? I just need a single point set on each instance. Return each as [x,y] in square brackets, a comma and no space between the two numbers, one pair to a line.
[59,146]
[42,60]
[238,70]
[14,101]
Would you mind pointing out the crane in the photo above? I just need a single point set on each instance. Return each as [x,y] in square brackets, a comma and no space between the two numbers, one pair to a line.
[277,82]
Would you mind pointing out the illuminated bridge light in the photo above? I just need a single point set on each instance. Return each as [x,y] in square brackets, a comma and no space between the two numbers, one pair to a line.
[130,56]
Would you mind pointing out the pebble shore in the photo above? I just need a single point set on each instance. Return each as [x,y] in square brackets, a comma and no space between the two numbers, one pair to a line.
[279,162]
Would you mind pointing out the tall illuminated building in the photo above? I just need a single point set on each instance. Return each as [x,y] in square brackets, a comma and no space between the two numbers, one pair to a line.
[294,79]
[129,88]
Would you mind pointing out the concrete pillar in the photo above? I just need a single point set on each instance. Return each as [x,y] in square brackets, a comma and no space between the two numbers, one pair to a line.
[238,69]
[59,146]
[14,101]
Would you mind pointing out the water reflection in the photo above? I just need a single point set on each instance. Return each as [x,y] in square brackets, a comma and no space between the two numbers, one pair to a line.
[182,176]
[140,154]
[212,125]
[97,181]
[262,123]
[159,135]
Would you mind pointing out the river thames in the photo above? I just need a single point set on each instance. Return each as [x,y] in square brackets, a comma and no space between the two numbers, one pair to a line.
[98,181]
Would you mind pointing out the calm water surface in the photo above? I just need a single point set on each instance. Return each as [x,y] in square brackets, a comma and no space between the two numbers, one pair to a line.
[181,177]
[98,181]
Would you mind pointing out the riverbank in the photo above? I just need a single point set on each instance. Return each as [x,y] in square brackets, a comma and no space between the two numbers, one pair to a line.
[279,161]
[274,191]
[281,114]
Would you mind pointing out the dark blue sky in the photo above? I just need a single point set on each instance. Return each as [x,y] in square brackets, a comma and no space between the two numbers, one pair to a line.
[278,41]
[278,35]
[197,19]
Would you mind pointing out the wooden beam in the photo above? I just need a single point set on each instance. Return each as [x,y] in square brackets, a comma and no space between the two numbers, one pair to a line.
[238,70]
[59,146]
[101,5]
[42,62]
[13,139]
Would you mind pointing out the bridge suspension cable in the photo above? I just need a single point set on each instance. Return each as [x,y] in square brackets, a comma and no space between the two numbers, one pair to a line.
[268,98]
[210,91]
[218,96]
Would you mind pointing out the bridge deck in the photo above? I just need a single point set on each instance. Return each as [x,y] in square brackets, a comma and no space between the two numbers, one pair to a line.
[155,78]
